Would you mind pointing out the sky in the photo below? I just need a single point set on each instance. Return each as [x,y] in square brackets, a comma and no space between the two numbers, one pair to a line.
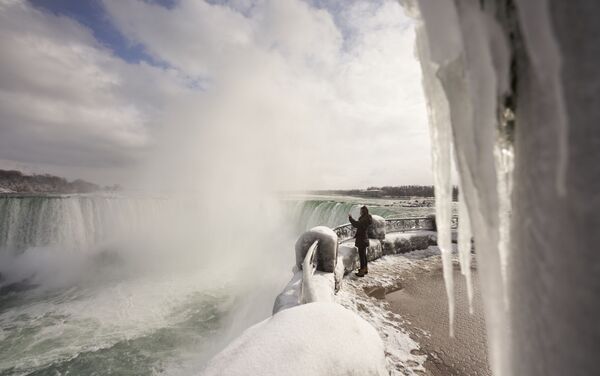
[284,94]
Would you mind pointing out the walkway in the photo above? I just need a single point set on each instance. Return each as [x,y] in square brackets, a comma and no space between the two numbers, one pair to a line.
[422,301]
[406,293]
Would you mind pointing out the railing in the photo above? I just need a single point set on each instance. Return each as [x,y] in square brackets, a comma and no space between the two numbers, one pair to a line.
[346,231]
[308,270]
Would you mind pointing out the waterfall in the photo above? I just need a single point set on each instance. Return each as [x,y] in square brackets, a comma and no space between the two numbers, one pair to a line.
[78,222]
[312,211]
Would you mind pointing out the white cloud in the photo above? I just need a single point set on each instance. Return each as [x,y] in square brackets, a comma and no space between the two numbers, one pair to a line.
[295,95]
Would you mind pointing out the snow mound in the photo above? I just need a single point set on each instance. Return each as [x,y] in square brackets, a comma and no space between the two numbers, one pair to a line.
[349,255]
[326,250]
[319,287]
[377,228]
[311,339]
[375,250]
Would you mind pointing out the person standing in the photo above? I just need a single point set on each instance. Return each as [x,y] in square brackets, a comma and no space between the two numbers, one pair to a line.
[362,238]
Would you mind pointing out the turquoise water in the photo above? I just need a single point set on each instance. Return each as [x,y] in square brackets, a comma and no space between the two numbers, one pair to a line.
[308,211]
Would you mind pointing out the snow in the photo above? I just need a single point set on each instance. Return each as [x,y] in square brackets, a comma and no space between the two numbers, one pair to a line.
[311,339]
[290,296]
[377,228]
[349,255]
[308,285]
[326,253]
[402,352]
[316,286]
[320,287]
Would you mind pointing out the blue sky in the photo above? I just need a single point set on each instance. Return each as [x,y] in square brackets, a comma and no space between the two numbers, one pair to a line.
[114,90]
[91,14]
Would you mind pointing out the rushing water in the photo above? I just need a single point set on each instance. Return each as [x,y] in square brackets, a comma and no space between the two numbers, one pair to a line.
[310,211]
[100,285]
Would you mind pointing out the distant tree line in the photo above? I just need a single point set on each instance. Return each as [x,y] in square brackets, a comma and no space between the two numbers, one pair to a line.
[390,192]
[13,181]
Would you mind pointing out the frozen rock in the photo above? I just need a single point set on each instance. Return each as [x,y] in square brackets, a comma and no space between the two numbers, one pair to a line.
[326,251]
[317,339]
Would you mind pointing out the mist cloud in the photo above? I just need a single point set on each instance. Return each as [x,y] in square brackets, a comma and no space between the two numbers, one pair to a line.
[281,93]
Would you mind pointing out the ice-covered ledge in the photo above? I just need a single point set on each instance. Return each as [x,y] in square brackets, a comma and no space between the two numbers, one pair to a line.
[317,339]
[335,341]
[398,235]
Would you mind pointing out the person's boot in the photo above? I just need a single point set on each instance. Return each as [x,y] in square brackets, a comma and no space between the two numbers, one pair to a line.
[361,272]
[366,270]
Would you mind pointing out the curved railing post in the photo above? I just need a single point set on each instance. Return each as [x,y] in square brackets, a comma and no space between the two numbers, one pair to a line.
[308,270]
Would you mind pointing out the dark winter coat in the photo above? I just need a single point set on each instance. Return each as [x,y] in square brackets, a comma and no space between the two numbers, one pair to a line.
[362,226]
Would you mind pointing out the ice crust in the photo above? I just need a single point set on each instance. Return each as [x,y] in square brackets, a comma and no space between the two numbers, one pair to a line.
[377,228]
[310,339]
[327,249]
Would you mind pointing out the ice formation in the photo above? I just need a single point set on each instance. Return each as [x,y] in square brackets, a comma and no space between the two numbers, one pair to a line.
[440,131]
[515,80]
[504,156]
[327,249]
[464,60]
[311,339]
[464,246]
[377,229]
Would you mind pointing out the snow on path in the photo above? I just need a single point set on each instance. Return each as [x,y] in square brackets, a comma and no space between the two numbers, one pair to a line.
[403,355]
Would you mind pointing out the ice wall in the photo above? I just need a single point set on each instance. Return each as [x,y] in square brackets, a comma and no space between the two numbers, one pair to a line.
[554,270]
[516,80]
[464,61]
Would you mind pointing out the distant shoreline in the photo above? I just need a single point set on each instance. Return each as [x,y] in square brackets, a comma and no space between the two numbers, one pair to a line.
[15,183]
[388,192]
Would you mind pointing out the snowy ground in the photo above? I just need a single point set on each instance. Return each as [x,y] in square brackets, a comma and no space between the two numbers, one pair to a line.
[404,356]
[403,297]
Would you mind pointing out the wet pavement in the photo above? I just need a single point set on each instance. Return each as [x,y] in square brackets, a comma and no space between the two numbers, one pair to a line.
[421,301]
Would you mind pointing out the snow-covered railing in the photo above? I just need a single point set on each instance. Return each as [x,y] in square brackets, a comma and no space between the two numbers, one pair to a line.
[309,266]
[346,231]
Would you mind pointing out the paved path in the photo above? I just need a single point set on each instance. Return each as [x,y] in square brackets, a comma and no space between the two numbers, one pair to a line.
[421,301]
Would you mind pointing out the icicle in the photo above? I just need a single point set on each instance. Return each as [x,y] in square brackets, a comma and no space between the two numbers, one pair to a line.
[464,245]
[465,59]
[544,53]
[441,137]
[504,157]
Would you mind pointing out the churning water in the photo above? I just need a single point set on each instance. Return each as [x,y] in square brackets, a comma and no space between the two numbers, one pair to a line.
[100,285]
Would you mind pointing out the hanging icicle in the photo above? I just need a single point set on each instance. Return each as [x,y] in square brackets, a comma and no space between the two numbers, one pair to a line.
[464,245]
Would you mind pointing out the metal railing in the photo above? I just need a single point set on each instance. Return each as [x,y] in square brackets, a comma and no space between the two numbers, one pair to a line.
[346,231]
